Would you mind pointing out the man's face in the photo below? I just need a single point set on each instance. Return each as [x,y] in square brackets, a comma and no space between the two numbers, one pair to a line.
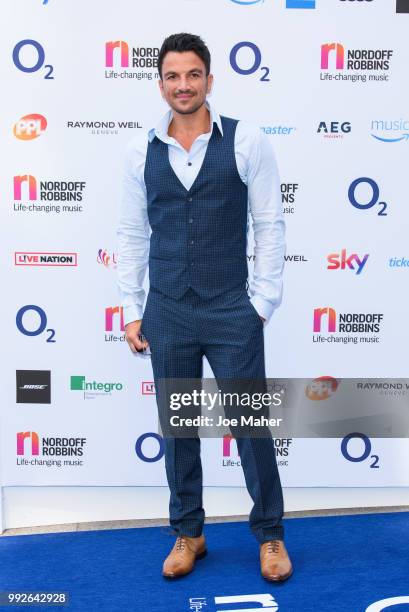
[184,84]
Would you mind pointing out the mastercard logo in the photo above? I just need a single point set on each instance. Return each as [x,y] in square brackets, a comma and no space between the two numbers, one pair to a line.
[30,127]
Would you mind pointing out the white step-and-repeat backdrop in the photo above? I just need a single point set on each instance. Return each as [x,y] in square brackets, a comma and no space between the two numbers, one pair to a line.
[327,81]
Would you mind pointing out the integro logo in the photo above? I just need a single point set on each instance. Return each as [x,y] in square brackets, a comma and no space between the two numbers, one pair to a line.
[334,129]
[105,259]
[321,388]
[29,57]
[30,127]
[118,54]
[390,131]
[357,64]
[326,320]
[114,318]
[340,261]
[93,388]
[26,188]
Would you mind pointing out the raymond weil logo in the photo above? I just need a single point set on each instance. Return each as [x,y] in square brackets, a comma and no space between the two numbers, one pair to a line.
[92,388]
[30,127]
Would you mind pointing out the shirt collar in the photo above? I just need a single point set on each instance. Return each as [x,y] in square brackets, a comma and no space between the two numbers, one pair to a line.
[161,129]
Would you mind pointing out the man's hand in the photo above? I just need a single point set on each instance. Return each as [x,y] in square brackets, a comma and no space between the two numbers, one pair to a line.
[132,331]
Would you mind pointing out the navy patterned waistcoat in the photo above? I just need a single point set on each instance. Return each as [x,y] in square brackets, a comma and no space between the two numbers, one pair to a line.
[199,236]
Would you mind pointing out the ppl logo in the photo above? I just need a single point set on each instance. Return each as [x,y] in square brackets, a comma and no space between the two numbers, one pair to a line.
[110,313]
[300,4]
[331,315]
[31,184]
[338,261]
[390,131]
[31,436]
[105,259]
[321,388]
[30,127]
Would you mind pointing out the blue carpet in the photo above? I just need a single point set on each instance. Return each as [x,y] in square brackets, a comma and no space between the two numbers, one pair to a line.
[341,564]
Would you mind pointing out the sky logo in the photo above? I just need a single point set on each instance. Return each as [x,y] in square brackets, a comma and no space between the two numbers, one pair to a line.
[300,4]
[390,131]
[339,55]
[338,261]
[31,435]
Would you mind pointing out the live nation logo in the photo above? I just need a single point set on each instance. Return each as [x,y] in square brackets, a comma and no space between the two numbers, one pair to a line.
[33,386]
[22,258]
[350,327]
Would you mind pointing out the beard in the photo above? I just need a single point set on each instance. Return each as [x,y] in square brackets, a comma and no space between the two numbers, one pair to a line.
[187,111]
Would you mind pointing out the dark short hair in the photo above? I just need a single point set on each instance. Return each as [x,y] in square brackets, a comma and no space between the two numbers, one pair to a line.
[184,42]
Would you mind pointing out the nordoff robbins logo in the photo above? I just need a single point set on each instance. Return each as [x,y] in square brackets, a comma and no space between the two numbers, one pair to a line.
[78,383]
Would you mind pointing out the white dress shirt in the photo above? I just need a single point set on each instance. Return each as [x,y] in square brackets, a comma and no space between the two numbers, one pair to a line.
[257,168]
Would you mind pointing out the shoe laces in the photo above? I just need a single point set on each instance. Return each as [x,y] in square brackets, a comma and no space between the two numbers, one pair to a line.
[273,546]
[180,543]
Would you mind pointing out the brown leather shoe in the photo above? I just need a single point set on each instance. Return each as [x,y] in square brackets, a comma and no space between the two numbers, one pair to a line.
[182,557]
[275,562]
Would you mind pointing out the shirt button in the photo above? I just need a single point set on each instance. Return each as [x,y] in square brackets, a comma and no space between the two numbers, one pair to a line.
[190,199]
[192,242]
[189,163]
[191,263]
[190,220]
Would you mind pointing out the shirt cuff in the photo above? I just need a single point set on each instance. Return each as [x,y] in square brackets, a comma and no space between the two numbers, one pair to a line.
[263,307]
[132,312]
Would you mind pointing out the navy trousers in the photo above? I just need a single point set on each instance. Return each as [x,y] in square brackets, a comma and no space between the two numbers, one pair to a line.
[229,332]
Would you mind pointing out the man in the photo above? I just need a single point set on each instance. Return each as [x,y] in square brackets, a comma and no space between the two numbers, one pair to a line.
[191,182]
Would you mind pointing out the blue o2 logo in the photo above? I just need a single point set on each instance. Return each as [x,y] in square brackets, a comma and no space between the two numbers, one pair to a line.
[245,59]
[364,454]
[373,199]
[26,46]
[151,458]
[38,320]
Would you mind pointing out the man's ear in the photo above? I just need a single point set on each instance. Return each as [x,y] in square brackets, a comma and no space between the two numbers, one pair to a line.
[160,83]
[209,83]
